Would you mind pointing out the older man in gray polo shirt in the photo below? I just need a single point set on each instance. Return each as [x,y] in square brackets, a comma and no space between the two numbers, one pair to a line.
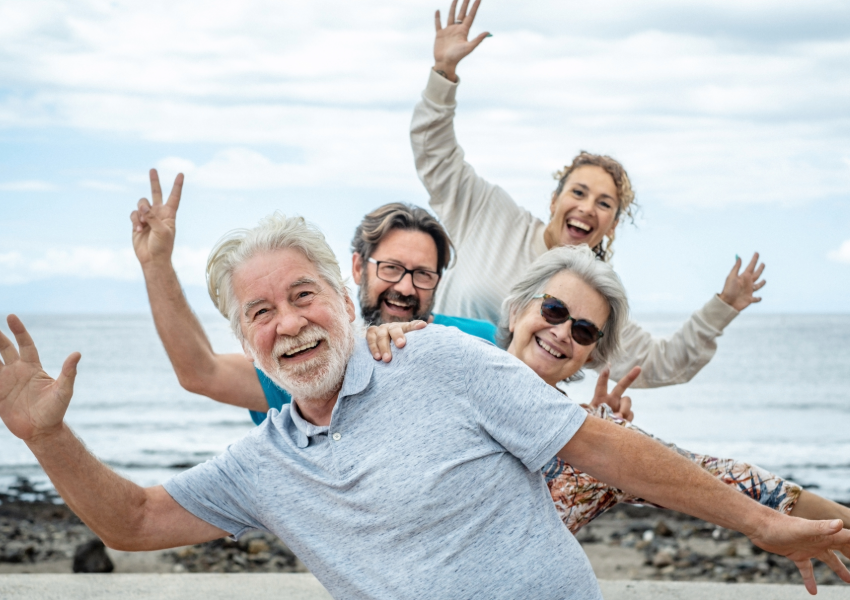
[413,479]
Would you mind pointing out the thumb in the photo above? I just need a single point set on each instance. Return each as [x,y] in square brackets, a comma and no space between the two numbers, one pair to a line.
[156,224]
[827,528]
[477,40]
[65,381]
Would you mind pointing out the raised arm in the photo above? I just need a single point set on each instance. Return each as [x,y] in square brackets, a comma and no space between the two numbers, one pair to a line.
[457,194]
[677,358]
[124,515]
[228,378]
[643,467]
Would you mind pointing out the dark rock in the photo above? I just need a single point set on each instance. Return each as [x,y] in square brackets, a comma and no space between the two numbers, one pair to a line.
[662,558]
[91,557]
[663,530]
[17,552]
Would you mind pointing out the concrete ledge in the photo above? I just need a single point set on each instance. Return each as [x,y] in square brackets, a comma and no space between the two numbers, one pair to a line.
[303,586]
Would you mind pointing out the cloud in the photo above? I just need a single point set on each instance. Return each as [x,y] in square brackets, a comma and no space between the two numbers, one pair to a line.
[87,262]
[711,102]
[27,186]
[841,255]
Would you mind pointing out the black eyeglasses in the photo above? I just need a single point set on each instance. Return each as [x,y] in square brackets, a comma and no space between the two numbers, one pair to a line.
[556,312]
[393,273]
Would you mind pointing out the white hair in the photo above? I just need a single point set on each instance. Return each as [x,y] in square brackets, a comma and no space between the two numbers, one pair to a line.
[583,263]
[274,232]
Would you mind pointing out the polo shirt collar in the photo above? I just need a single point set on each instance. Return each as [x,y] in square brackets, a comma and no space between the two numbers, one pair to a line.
[358,374]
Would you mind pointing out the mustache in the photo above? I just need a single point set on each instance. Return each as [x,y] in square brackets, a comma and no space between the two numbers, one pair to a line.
[311,334]
[371,313]
[408,301]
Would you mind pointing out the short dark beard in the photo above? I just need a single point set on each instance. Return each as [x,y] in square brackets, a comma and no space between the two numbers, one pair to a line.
[372,313]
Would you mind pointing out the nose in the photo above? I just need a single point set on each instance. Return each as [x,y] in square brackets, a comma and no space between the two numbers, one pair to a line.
[563,332]
[586,203]
[405,286]
[290,324]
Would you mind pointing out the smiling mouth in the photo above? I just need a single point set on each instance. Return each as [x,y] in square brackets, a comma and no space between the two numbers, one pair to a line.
[301,350]
[394,305]
[577,228]
[549,349]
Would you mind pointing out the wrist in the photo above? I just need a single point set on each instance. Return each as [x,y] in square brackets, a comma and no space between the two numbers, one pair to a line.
[157,264]
[44,439]
[756,522]
[728,300]
[446,70]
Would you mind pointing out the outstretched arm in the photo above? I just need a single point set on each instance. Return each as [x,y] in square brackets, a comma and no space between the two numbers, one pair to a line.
[680,356]
[124,515]
[228,378]
[643,467]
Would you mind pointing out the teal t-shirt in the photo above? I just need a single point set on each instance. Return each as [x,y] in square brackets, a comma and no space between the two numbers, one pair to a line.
[277,397]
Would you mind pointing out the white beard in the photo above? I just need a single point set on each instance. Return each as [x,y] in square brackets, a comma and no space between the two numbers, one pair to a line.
[315,379]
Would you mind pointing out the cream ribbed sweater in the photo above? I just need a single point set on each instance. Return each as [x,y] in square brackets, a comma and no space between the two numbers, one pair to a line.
[496,240]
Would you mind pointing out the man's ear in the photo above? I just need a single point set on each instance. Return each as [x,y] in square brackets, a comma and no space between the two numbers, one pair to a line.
[356,267]
[349,307]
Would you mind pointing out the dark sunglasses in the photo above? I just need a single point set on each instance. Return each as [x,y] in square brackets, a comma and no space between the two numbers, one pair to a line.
[556,312]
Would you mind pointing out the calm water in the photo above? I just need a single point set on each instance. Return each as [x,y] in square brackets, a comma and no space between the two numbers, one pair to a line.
[777,393]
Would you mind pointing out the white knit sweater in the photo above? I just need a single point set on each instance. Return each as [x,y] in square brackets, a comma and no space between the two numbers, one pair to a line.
[496,240]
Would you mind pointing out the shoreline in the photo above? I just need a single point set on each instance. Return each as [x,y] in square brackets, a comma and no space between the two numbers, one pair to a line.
[634,543]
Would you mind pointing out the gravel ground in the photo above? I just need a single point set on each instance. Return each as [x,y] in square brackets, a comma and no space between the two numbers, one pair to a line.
[636,543]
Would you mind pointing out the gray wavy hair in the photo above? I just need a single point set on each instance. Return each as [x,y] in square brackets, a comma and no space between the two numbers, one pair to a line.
[274,232]
[583,263]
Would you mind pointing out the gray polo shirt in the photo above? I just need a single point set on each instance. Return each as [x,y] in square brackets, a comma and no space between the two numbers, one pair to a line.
[426,484]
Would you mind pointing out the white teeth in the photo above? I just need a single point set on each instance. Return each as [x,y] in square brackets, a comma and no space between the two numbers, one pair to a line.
[397,304]
[302,348]
[578,224]
[549,348]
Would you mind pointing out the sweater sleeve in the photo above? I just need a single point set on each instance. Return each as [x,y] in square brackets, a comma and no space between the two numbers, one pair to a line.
[458,195]
[677,358]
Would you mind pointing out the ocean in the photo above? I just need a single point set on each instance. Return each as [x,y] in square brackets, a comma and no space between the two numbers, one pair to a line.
[777,393]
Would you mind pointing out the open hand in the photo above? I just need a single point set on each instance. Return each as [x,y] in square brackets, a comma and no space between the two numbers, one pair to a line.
[739,287]
[621,405]
[452,43]
[801,540]
[379,336]
[31,402]
[154,223]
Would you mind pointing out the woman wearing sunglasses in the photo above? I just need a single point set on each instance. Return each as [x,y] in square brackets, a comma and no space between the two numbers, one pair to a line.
[496,239]
[565,314]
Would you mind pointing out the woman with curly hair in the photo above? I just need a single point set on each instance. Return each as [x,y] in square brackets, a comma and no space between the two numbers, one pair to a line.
[496,240]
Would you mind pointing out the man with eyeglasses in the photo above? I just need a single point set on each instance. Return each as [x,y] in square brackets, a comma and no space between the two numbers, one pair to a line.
[399,253]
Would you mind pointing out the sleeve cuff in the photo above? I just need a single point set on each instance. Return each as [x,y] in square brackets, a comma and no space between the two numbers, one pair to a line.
[717,313]
[559,440]
[440,90]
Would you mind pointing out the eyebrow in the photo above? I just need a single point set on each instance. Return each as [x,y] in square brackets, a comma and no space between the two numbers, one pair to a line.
[248,306]
[302,281]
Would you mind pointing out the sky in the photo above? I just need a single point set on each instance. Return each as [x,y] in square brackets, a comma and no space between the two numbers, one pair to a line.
[732,118]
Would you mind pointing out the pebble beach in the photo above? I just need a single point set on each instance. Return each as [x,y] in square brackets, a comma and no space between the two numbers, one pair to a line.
[39,535]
